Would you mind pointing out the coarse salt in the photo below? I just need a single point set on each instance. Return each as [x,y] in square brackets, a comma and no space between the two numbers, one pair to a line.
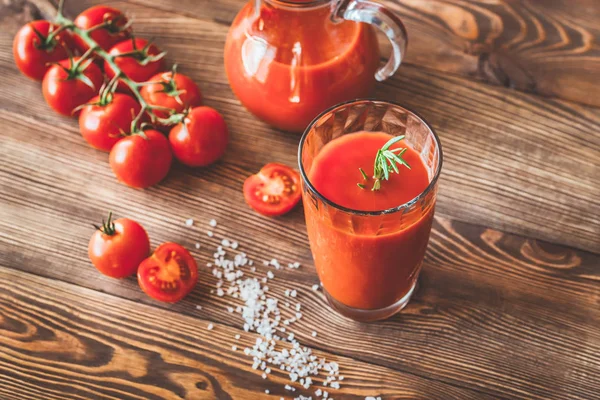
[213,222]
[189,222]
[210,326]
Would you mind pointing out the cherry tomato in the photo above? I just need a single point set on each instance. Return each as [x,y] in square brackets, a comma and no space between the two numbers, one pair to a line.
[133,64]
[103,125]
[142,159]
[169,274]
[106,37]
[33,52]
[66,85]
[117,248]
[274,191]
[175,92]
[201,138]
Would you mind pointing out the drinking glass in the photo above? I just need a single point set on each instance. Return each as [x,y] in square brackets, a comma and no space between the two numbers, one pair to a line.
[369,261]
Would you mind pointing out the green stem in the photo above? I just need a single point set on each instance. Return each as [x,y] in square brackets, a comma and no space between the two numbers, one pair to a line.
[110,60]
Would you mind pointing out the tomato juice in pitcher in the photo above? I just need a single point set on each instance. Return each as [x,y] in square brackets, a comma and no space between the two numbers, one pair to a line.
[287,61]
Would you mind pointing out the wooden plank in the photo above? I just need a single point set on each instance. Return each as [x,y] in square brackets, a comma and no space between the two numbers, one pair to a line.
[514,162]
[548,48]
[61,341]
[489,305]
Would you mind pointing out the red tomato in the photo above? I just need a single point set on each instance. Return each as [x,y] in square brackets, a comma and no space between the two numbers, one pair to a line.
[132,64]
[169,274]
[106,37]
[274,191]
[201,138]
[177,93]
[33,53]
[117,248]
[103,125]
[141,159]
[64,88]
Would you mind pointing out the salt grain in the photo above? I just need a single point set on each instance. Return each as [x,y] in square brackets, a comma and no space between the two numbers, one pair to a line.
[213,222]
[209,233]
[270,275]
[315,287]
[209,327]
[234,348]
[314,334]
[189,222]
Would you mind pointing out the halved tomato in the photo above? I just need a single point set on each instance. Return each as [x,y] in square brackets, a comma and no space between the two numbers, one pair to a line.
[169,274]
[274,191]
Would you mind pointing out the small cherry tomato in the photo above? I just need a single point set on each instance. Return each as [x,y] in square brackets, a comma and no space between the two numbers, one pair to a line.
[169,274]
[172,90]
[274,191]
[107,36]
[71,83]
[33,50]
[118,247]
[141,159]
[103,121]
[137,58]
[201,138]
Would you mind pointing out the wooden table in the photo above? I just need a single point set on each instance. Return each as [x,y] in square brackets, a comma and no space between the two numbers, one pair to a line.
[509,301]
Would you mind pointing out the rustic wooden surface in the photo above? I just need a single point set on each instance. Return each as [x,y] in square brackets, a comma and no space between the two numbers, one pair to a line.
[509,301]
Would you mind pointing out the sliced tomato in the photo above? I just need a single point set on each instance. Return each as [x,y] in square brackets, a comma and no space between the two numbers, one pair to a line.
[169,274]
[274,191]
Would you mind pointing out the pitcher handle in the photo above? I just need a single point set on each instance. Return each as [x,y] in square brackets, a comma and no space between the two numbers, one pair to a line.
[383,19]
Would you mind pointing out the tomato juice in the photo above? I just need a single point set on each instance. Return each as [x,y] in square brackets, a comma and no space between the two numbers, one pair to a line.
[367,258]
[288,65]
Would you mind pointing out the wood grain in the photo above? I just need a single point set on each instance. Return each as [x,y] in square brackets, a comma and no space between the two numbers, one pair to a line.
[61,341]
[548,48]
[496,315]
[489,304]
[539,178]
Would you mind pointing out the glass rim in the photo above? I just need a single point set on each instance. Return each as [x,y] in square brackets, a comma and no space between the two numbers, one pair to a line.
[395,209]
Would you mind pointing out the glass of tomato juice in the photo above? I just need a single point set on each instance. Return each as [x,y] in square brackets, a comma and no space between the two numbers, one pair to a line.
[368,245]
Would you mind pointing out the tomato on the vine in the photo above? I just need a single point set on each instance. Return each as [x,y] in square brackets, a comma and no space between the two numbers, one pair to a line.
[71,83]
[115,31]
[104,120]
[141,159]
[169,274]
[274,191]
[118,247]
[171,90]
[201,138]
[36,46]
[137,58]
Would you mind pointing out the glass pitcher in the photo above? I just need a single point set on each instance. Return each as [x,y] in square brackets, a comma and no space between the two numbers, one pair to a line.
[287,61]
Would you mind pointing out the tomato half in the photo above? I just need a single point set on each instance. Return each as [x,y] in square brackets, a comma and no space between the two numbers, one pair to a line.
[33,51]
[64,91]
[102,126]
[169,274]
[117,248]
[142,159]
[132,57]
[175,92]
[106,37]
[201,139]
[274,191]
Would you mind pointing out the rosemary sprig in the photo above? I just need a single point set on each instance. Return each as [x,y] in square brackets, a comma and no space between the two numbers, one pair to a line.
[386,163]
